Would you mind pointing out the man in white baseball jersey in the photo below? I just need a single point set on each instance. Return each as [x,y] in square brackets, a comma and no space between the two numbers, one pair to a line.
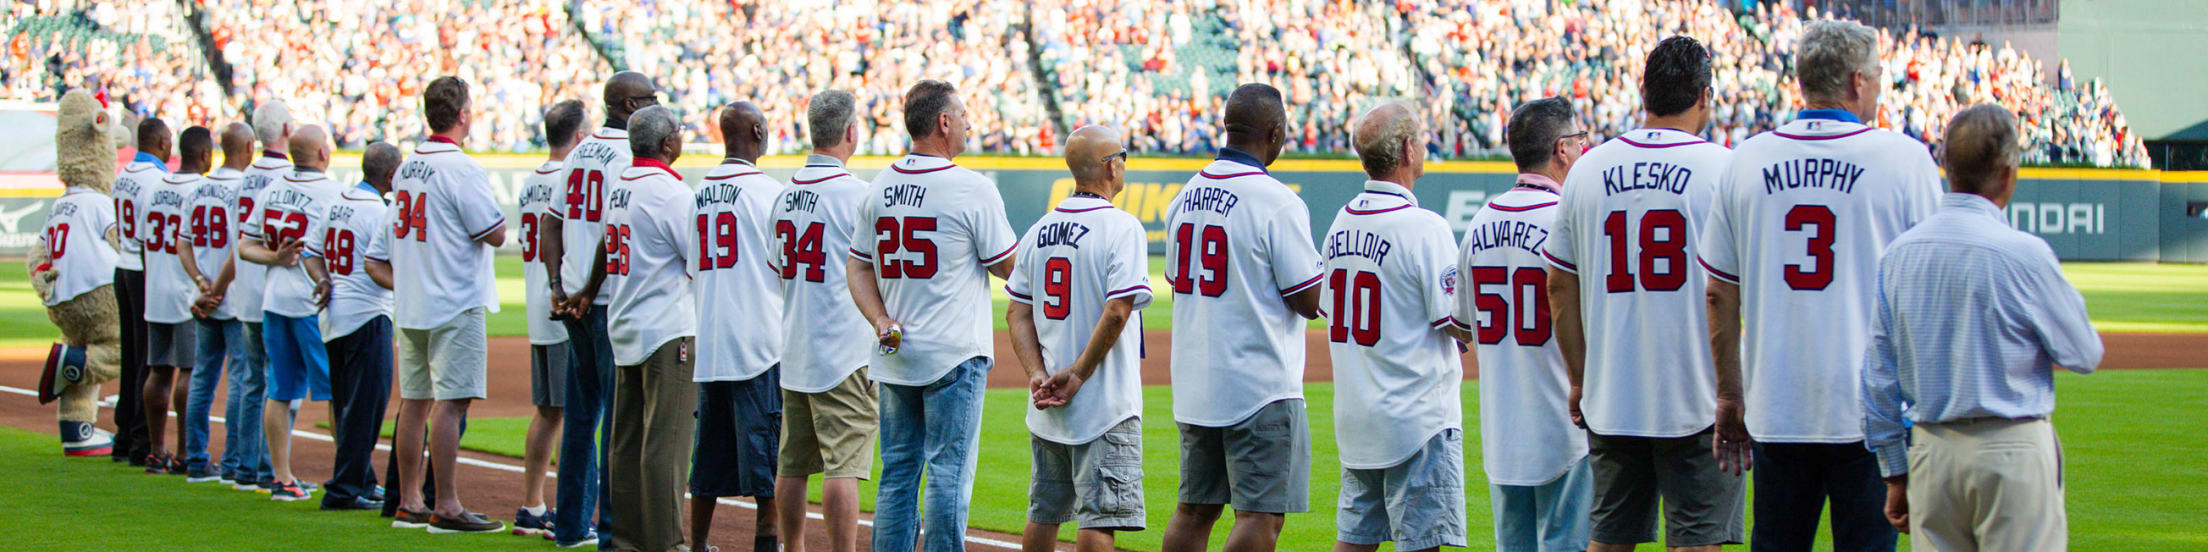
[1643,391]
[272,126]
[177,275]
[351,265]
[575,263]
[828,424]
[1536,461]
[146,169]
[653,321]
[446,225]
[924,244]
[73,271]
[289,210]
[1245,277]
[171,336]
[739,378]
[1391,283]
[548,345]
[208,238]
[1085,267]
[1794,238]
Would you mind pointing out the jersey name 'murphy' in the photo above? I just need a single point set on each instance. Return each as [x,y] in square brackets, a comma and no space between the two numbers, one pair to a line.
[800,200]
[717,193]
[167,197]
[1067,233]
[1506,233]
[1831,174]
[1646,175]
[1209,199]
[1358,243]
[904,194]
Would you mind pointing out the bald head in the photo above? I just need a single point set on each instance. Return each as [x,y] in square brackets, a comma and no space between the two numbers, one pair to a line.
[1257,121]
[625,93]
[237,145]
[1981,153]
[378,164]
[743,130]
[1388,144]
[1093,155]
[310,147]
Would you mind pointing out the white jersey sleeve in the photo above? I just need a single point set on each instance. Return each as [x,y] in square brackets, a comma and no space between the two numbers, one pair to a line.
[1389,294]
[736,280]
[1526,433]
[1800,223]
[825,339]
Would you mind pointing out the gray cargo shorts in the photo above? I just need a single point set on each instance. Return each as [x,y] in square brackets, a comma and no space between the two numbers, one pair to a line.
[1260,464]
[1097,484]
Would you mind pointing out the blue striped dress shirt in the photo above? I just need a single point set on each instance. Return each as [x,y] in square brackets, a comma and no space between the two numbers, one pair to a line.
[1973,316]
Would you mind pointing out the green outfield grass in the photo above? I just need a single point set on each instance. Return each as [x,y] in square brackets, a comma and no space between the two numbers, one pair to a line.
[2131,485]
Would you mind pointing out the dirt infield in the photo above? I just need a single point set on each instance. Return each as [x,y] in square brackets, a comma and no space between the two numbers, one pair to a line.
[494,490]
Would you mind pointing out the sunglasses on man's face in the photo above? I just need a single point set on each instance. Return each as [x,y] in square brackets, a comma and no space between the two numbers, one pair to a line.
[1122,155]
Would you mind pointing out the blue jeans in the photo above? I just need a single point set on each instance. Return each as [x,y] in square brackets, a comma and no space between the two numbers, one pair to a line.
[215,339]
[582,482]
[933,429]
[244,451]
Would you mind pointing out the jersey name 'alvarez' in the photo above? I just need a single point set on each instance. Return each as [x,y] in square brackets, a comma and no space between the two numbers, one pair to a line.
[1358,243]
[1796,174]
[1505,233]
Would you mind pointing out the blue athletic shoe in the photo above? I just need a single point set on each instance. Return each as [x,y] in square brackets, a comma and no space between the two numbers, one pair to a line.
[532,525]
[589,540]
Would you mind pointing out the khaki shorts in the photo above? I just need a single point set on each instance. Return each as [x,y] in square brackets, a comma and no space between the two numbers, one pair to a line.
[829,432]
[447,362]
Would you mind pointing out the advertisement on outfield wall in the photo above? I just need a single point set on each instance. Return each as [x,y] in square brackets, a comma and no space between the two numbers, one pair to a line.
[2083,214]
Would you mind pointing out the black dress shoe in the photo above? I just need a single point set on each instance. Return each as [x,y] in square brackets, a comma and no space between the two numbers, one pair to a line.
[355,503]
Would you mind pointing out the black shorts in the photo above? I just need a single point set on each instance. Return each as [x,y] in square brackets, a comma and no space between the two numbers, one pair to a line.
[739,428]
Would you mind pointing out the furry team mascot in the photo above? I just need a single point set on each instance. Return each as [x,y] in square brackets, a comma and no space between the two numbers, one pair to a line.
[73,270]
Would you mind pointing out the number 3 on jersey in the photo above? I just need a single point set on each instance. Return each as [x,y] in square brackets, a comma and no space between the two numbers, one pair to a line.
[894,234]
[1206,247]
[1815,221]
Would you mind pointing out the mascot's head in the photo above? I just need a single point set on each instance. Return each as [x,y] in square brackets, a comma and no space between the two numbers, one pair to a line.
[85,135]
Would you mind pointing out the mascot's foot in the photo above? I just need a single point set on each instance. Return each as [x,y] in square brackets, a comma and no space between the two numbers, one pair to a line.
[81,439]
[64,367]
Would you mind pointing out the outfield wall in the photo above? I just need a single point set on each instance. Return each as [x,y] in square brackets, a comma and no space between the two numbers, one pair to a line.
[2085,214]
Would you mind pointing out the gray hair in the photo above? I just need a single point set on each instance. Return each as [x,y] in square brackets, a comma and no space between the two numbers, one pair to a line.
[1380,135]
[379,162]
[1534,128]
[1980,143]
[827,116]
[1831,50]
[269,120]
[649,128]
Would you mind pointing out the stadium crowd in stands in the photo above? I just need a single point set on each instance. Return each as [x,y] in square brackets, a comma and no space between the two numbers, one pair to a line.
[1031,68]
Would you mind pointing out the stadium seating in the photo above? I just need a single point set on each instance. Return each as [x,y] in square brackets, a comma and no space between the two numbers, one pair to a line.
[1031,69]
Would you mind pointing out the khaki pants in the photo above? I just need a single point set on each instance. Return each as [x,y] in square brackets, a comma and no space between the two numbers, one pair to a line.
[1986,485]
[648,449]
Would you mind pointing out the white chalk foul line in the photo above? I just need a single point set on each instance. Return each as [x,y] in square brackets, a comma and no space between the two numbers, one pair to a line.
[745,504]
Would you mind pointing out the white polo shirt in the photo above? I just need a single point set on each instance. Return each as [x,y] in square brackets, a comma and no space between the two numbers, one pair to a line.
[648,232]
[589,173]
[931,228]
[1801,220]
[165,213]
[212,229]
[356,230]
[1238,243]
[75,238]
[1526,432]
[825,338]
[1075,259]
[442,205]
[537,191]
[289,210]
[738,289]
[1630,208]
[1391,283]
